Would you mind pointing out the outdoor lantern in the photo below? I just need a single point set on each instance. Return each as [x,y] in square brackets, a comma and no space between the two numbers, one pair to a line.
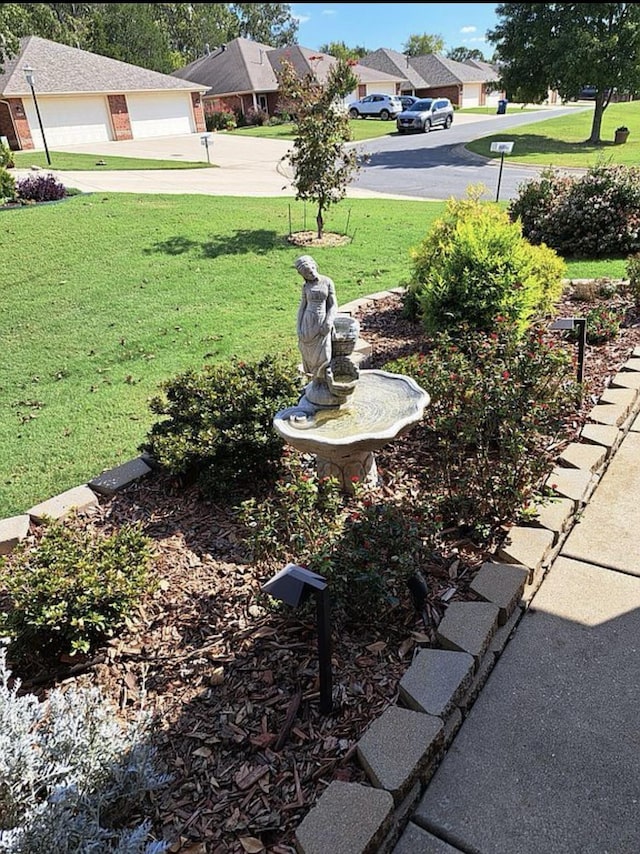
[30,77]
[293,585]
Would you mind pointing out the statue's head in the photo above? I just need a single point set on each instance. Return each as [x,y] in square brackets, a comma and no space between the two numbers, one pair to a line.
[306,266]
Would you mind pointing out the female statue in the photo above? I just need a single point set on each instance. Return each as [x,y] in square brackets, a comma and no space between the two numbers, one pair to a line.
[316,314]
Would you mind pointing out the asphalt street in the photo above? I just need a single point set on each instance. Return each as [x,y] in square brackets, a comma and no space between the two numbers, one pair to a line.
[425,166]
[436,165]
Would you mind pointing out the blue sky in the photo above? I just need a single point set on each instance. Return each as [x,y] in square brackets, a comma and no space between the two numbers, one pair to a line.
[375,25]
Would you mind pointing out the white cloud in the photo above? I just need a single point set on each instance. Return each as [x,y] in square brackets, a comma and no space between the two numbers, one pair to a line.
[329,12]
[468,29]
[301,19]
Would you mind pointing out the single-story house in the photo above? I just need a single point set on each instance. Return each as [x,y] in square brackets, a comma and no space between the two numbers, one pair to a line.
[243,75]
[83,97]
[465,84]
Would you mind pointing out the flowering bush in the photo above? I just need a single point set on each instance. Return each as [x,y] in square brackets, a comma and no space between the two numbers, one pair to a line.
[498,403]
[592,216]
[40,188]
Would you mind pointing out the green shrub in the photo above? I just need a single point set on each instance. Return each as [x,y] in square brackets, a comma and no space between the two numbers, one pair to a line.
[365,549]
[592,216]
[220,120]
[7,186]
[498,404]
[73,589]
[217,425]
[6,157]
[603,324]
[474,266]
[633,274]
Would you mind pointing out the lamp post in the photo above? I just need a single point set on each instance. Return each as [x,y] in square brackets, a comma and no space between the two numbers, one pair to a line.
[28,73]
[293,585]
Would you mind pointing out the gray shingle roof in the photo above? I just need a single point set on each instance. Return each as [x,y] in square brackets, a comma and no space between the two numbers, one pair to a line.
[63,70]
[439,71]
[247,66]
[393,62]
[432,69]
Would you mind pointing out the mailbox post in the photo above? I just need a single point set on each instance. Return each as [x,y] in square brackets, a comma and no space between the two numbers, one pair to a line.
[205,140]
[503,148]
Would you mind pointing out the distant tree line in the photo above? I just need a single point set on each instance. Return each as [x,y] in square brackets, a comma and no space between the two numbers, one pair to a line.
[159,36]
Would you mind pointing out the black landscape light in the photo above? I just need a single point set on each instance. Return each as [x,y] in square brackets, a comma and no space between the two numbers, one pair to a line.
[29,74]
[579,324]
[293,585]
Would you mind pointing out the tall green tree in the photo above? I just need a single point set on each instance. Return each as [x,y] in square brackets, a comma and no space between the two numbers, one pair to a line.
[342,51]
[12,21]
[420,45]
[131,33]
[322,165]
[565,46]
[462,54]
[270,23]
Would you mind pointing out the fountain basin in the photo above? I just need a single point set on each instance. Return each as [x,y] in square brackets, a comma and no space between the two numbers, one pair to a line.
[381,407]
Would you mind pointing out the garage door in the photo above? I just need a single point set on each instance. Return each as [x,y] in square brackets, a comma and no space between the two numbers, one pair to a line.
[67,121]
[160,114]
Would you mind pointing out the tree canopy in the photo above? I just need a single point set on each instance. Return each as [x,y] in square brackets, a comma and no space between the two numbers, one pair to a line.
[342,51]
[566,46]
[159,36]
[419,45]
[462,54]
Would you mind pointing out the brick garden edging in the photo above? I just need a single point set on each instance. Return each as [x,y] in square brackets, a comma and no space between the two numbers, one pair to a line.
[401,750]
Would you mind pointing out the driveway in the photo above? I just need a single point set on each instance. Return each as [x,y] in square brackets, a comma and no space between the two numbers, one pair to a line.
[412,166]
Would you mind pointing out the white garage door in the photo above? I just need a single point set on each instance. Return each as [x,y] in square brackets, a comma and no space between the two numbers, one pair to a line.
[471,94]
[67,121]
[160,114]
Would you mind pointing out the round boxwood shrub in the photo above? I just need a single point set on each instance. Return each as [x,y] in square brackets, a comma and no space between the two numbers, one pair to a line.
[475,266]
[217,423]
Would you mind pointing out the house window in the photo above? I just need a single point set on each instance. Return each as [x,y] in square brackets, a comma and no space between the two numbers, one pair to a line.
[262,103]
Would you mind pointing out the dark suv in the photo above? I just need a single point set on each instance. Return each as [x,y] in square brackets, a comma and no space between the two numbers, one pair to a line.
[425,114]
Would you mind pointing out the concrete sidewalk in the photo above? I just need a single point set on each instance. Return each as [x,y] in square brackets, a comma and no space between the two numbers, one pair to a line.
[548,759]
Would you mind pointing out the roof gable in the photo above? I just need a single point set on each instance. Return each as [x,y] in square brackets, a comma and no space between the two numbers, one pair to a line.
[243,66]
[63,70]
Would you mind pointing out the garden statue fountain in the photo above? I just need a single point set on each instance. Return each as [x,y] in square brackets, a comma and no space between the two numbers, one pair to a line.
[345,414]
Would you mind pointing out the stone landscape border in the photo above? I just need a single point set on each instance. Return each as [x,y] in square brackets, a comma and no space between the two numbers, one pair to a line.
[401,749]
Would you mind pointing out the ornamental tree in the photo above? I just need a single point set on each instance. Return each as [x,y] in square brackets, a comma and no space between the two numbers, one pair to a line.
[323,166]
[566,46]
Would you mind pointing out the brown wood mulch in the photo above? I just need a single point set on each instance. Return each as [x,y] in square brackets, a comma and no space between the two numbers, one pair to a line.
[235,687]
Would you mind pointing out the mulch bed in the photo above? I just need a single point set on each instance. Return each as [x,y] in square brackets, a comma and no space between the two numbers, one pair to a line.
[235,687]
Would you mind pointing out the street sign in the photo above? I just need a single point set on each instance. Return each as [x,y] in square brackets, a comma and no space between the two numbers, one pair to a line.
[502,147]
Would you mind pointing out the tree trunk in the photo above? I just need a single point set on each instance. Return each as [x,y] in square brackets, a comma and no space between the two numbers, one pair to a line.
[596,125]
[319,222]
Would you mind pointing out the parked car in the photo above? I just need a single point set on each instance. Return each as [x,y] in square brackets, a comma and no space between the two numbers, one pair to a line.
[380,106]
[407,101]
[425,114]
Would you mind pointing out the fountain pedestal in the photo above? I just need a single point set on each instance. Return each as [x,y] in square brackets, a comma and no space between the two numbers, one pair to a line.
[380,407]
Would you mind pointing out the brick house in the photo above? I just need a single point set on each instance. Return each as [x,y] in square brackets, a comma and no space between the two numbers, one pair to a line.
[83,97]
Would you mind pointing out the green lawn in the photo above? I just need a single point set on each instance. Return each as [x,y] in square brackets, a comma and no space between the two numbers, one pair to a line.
[560,142]
[107,295]
[360,129]
[64,161]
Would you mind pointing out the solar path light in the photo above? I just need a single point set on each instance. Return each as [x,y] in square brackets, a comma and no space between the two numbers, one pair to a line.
[293,585]
[579,324]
